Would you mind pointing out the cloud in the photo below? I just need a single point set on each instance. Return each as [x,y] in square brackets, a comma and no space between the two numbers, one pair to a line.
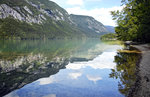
[81,7]
[12,94]
[100,62]
[44,81]
[75,2]
[75,75]
[94,78]
[101,14]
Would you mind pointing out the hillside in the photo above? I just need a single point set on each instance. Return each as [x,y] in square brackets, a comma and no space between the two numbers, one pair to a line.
[39,19]
[89,25]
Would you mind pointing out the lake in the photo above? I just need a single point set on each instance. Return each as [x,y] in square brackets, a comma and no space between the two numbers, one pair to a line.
[65,68]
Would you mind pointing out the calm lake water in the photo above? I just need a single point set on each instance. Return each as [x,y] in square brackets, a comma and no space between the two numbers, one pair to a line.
[65,68]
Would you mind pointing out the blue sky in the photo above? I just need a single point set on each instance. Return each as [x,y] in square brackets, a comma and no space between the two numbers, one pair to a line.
[99,9]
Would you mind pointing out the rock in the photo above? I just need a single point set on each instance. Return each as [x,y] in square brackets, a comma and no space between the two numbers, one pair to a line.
[7,11]
[28,10]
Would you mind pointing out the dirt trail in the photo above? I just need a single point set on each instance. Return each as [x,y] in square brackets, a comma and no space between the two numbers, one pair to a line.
[142,88]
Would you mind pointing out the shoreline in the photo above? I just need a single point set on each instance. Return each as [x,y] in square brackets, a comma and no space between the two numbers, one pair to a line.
[141,87]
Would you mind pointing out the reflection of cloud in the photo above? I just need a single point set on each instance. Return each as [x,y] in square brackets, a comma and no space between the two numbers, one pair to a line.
[50,95]
[93,78]
[13,94]
[44,81]
[103,61]
[75,75]
[76,65]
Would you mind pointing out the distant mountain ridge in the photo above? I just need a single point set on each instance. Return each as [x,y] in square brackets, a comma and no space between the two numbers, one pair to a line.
[110,29]
[88,24]
[39,19]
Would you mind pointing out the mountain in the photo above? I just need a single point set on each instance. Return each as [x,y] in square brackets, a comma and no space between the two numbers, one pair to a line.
[110,29]
[39,19]
[89,25]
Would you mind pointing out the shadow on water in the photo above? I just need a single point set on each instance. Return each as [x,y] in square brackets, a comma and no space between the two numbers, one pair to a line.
[22,62]
[126,70]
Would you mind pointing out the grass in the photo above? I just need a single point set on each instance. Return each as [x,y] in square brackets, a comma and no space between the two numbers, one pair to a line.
[113,42]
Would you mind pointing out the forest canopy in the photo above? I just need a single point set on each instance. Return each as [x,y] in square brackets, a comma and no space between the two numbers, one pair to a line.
[133,21]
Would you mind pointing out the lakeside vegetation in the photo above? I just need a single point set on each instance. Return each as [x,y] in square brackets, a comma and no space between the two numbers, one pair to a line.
[113,42]
[109,36]
[133,21]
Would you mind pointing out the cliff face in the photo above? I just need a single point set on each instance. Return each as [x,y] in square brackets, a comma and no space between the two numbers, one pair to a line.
[7,11]
[30,12]
[44,18]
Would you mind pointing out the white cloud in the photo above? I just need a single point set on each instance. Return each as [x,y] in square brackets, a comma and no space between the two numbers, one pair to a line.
[94,78]
[75,2]
[75,75]
[103,61]
[101,14]
[12,94]
[44,81]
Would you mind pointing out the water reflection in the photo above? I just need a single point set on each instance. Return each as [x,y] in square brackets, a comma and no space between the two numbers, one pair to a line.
[75,75]
[94,78]
[100,62]
[45,68]
[29,69]
[126,70]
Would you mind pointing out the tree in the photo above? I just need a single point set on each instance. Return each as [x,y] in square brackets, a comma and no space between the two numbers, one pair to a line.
[133,21]
[9,28]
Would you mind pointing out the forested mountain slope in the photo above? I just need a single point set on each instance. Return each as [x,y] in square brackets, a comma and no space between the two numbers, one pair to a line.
[38,19]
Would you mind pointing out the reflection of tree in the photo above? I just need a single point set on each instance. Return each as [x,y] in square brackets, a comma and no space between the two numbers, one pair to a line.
[125,71]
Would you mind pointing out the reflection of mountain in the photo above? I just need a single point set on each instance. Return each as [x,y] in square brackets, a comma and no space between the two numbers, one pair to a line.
[17,53]
[22,62]
[52,48]
[26,70]
[126,71]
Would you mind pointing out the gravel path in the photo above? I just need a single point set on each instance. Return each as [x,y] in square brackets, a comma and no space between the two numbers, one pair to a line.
[142,88]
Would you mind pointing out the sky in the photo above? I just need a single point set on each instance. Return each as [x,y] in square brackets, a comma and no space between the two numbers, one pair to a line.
[99,9]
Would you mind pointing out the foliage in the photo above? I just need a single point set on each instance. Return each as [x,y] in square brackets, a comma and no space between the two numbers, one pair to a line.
[109,36]
[133,21]
[15,29]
